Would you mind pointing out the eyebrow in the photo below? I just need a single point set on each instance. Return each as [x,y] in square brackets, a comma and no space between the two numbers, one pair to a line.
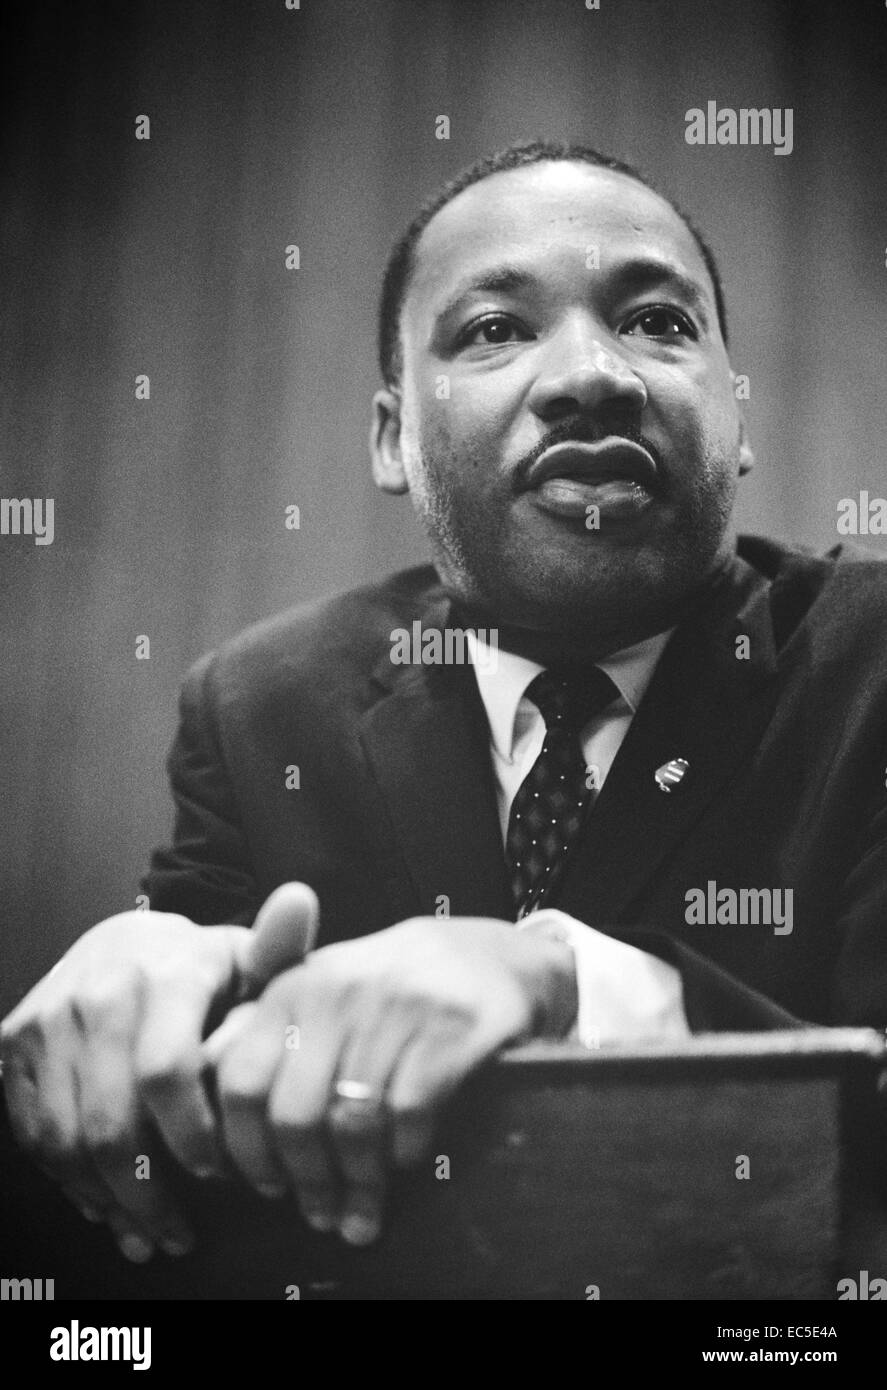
[646,272]
[500,279]
[634,275]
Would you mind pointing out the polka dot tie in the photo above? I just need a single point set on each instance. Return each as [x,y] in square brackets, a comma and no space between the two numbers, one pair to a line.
[547,811]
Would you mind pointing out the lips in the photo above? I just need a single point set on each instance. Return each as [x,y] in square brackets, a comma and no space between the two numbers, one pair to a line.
[601,462]
[613,482]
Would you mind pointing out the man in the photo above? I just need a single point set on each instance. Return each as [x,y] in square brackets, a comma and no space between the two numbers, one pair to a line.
[651,802]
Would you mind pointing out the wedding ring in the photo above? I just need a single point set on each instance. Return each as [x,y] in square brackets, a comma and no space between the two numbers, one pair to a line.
[358,1092]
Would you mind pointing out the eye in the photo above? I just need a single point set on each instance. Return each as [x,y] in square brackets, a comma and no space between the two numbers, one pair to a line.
[660,321]
[493,331]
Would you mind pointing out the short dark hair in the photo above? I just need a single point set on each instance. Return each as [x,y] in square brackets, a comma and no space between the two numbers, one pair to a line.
[401,260]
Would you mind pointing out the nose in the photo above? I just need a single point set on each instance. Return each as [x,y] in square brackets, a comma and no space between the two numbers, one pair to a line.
[580,371]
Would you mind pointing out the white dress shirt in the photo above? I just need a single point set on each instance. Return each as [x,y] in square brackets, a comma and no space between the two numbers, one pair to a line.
[625,995]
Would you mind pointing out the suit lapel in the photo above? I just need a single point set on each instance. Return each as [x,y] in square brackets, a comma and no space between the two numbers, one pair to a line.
[427,744]
[426,741]
[705,705]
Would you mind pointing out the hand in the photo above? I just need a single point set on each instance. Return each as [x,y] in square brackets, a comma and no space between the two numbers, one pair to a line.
[109,1043]
[406,1014]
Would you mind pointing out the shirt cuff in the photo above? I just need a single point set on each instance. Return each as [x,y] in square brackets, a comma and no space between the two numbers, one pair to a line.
[625,995]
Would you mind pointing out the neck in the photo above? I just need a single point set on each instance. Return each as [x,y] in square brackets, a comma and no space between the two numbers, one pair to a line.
[583,647]
[553,649]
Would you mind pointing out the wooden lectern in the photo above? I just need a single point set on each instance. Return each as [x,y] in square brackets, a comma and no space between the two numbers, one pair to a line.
[737,1166]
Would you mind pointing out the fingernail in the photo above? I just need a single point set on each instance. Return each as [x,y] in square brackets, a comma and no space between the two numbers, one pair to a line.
[178,1245]
[358,1230]
[136,1248]
[320,1221]
[271,1190]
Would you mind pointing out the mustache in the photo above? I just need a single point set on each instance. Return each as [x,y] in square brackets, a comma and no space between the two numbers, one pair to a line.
[583,429]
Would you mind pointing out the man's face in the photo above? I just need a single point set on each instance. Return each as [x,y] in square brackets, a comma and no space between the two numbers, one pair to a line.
[566,423]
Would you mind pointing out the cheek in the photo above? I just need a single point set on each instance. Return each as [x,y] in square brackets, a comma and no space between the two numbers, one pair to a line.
[706,416]
[426,414]
[720,405]
[449,435]
[430,453]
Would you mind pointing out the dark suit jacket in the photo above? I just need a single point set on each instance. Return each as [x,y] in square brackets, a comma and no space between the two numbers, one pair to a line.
[787,755]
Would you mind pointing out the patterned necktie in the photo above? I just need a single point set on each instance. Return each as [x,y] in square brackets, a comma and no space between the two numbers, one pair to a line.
[547,811]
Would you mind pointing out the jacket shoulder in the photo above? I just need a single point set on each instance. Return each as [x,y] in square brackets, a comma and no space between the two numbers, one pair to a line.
[329,640]
[855,594]
[840,595]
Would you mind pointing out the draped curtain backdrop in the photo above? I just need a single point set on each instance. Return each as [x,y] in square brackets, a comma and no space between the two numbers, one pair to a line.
[315,126]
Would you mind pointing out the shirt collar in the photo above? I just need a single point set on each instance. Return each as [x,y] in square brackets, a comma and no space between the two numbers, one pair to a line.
[502,677]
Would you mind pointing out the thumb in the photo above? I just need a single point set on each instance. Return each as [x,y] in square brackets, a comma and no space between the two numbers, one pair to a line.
[283,934]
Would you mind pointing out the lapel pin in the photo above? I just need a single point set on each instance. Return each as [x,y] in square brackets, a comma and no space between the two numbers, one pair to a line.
[670,773]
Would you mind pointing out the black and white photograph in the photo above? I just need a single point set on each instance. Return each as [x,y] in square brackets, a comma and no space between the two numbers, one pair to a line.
[444,640]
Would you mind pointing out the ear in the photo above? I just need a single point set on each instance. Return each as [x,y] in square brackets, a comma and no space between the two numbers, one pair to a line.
[388,470]
[746,453]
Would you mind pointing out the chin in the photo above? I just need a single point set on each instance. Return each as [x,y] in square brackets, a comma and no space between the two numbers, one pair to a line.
[621,591]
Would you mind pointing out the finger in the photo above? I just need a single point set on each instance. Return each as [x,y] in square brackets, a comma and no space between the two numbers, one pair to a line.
[112,1127]
[358,1120]
[244,1077]
[169,1074]
[133,1243]
[39,1091]
[84,1186]
[44,1116]
[229,1030]
[143,1214]
[86,1202]
[43,1093]
[297,1109]
[430,1069]
[283,934]
[358,1128]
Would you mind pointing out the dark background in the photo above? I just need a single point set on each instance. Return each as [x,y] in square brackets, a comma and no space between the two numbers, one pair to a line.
[316,126]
